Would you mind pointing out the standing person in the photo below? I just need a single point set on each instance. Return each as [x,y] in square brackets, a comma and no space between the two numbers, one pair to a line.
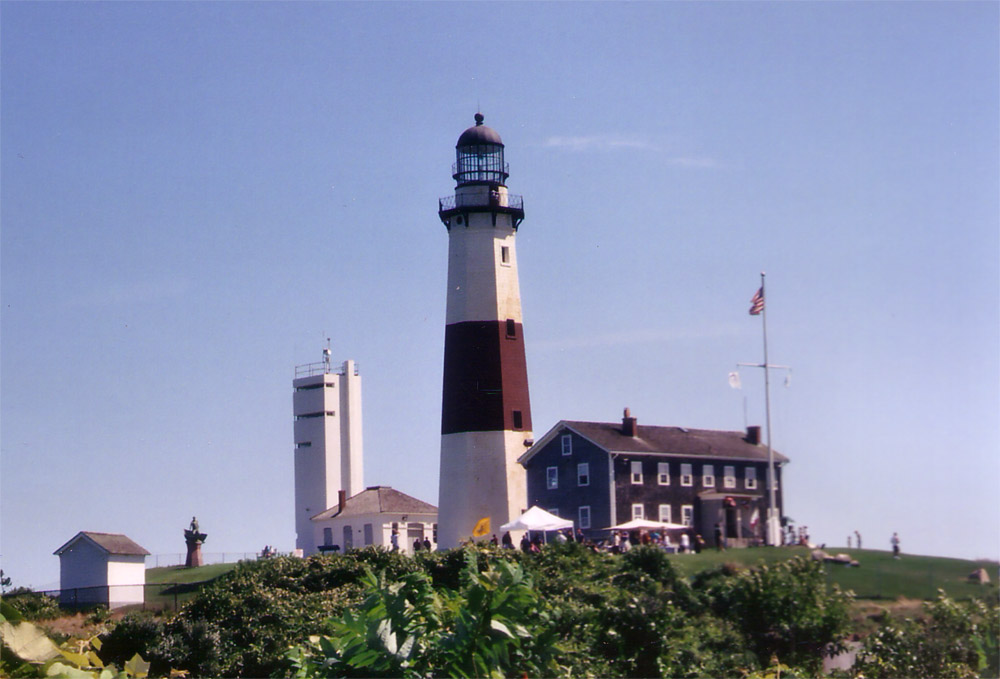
[719,544]
[417,545]
[685,543]
[895,545]
[427,544]
[525,543]
[507,541]
[858,536]
[848,541]
[494,541]
[395,540]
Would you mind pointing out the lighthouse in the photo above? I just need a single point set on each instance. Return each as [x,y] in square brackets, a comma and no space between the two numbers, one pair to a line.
[485,414]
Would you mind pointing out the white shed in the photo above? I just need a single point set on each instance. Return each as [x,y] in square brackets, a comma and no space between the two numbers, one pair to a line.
[101,568]
[371,516]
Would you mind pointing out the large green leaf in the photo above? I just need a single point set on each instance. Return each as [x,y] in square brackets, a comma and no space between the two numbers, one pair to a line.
[28,642]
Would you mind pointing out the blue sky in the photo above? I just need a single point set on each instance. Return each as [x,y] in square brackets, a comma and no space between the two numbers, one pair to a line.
[195,195]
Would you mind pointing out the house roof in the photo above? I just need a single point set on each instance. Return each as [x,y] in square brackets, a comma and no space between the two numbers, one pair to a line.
[657,440]
[112,543]
[378,500]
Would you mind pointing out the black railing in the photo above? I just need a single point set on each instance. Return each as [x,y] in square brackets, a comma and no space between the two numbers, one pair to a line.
[513,202]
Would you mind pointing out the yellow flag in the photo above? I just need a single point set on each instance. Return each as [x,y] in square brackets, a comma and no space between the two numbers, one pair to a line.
[482,527]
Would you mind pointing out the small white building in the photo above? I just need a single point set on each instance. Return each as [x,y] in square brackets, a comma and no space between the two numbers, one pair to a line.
[101,568]
[371,516]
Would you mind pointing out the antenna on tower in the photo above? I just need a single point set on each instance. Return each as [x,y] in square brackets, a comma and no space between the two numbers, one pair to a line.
[326,356]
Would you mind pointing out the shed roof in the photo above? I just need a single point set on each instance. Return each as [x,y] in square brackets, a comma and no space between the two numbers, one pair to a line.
[659,440]
[378,500]
[112,543]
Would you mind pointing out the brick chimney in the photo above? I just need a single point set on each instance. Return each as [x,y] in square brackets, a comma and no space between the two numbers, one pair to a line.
[630,426]
[341,500]
[753,435]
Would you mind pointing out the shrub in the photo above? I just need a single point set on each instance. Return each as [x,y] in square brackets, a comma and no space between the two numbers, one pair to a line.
[33,605]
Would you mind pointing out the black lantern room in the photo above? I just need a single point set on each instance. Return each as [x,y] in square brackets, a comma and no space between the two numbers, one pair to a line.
[479,154]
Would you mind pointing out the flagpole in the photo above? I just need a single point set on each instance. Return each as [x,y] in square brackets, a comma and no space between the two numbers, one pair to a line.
[772,519]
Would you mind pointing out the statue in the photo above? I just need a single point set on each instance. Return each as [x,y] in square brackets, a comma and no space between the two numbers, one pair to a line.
[194,538]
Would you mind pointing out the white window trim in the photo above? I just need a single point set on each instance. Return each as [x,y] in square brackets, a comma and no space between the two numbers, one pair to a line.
[638,511]
[566,441]
[551,478]
[708,475]
[690,510]
[662,513]
[636,478]
[729,476]
[687,479]
[583,467]
[580,513]
[750,478]
[663,473]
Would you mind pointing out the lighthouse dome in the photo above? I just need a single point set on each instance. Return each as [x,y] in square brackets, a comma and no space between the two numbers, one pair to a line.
[479,156]
[479,134]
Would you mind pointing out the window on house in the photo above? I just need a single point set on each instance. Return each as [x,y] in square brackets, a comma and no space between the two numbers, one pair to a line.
[551,477]
[348,538]
[637,472]
[687,475]
[304,444]
[511,328]
[729,476]
[583,474]
[663,473]
[518,420]
[707,475]
[554,511]
[327,535]
[665,513]
[567,444]
[750,477]
[638,512]
[504,254]
[583,517]
[687,515]
[369,534]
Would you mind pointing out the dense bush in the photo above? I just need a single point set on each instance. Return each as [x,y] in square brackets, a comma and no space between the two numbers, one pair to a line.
[784,610]
[33,605]
[952,640]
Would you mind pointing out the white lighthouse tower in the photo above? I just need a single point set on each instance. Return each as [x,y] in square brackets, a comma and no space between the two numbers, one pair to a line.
[486,416]
[328,445]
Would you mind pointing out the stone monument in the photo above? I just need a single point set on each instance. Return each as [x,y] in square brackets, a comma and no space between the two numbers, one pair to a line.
[193,537]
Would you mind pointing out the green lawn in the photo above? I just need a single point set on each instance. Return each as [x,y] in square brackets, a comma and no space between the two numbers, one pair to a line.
[878,577]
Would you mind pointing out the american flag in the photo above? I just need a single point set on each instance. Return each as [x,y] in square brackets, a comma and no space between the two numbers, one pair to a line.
[757,303]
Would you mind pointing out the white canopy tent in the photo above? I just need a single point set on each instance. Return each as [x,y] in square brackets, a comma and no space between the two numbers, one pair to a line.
[645,524]
[537,518]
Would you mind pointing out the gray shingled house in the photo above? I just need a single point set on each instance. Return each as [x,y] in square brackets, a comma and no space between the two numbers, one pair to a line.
[600,474]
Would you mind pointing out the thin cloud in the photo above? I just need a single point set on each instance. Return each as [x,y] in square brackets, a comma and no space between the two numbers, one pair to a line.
[610,143]
[598,143]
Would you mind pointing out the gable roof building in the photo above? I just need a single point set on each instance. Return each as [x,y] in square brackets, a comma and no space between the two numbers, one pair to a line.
[101,568]
[605,473]
[371,517]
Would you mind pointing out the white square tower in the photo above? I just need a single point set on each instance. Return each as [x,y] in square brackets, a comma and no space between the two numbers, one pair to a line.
[326,404]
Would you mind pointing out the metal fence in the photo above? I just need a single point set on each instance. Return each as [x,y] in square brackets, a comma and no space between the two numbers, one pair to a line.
[161,596]
[207,558]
